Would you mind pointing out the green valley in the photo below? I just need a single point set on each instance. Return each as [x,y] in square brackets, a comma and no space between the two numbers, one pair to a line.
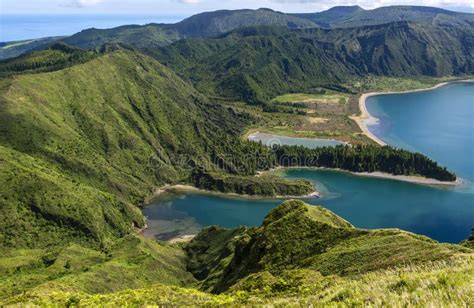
[95,125]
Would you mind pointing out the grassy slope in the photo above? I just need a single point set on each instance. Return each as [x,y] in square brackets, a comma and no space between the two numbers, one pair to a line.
[14,49]
[82,146]
[298,236]
[151,35]
[93,147]
[435,284]
[130,263]
[303,255]
[200,25]
[355,16]
[57,57]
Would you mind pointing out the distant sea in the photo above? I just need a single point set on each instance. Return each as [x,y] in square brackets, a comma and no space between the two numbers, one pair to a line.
[22,27]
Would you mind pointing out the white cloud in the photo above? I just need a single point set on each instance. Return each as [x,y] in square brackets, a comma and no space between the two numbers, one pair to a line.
[84,3]
[369,4]
[190,1]
[189,7]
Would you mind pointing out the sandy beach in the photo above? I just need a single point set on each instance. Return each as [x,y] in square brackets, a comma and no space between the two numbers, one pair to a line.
[381,175]
[409,178]
[192,189]
[366,118]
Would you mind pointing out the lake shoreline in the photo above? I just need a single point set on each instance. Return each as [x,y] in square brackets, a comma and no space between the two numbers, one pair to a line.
[380,175]
[180,188]
[365,118]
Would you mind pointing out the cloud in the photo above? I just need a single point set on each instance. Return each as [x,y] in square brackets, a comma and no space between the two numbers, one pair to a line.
[82,3]
[378,3]
[190,1]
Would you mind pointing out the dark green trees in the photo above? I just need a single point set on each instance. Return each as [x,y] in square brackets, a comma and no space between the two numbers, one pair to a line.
[364,158]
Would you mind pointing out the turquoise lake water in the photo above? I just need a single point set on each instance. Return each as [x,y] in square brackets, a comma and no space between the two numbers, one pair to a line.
[438,123]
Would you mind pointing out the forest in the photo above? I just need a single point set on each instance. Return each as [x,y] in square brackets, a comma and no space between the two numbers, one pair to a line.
[364,158]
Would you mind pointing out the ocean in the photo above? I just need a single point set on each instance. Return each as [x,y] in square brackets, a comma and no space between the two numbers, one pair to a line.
[22,27]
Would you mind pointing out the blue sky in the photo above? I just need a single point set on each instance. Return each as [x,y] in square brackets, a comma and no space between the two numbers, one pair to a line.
[189,7]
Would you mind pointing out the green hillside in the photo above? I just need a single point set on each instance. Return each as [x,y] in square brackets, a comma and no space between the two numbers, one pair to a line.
[257,64]
[300,255]
[151,35]
[219,22]
[355,16]
[215,23]
[17,48]
[298,236]
[83,146]
[92,126]
[56,57]
[200,25]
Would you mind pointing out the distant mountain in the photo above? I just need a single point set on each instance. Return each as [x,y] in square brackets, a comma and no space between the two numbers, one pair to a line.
[200,25]
[14,49]
[212,24]
[330,17]
[355,16]
[255,64]
[215,23]
[138,36]
[58,56]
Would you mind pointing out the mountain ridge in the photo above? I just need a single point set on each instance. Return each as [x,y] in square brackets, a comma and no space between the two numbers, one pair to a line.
[301,254]
[257,63]
[354,16]
[209,24]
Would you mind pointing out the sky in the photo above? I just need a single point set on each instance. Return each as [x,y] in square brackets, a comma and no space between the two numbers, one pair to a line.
[190,7]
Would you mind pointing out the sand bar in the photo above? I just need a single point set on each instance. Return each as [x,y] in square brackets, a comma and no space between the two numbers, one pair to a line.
[382,175]
[192,189]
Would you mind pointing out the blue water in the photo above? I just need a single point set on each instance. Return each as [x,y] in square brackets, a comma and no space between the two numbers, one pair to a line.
[274,140]
[21,27]
[438,123]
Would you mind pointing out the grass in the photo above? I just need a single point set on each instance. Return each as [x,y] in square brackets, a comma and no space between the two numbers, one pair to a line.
[81,147]
[331,117]
[327,117]
[301,255]
[388,84]
[132,262]
[438,284]
[331,97]
[295,236]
